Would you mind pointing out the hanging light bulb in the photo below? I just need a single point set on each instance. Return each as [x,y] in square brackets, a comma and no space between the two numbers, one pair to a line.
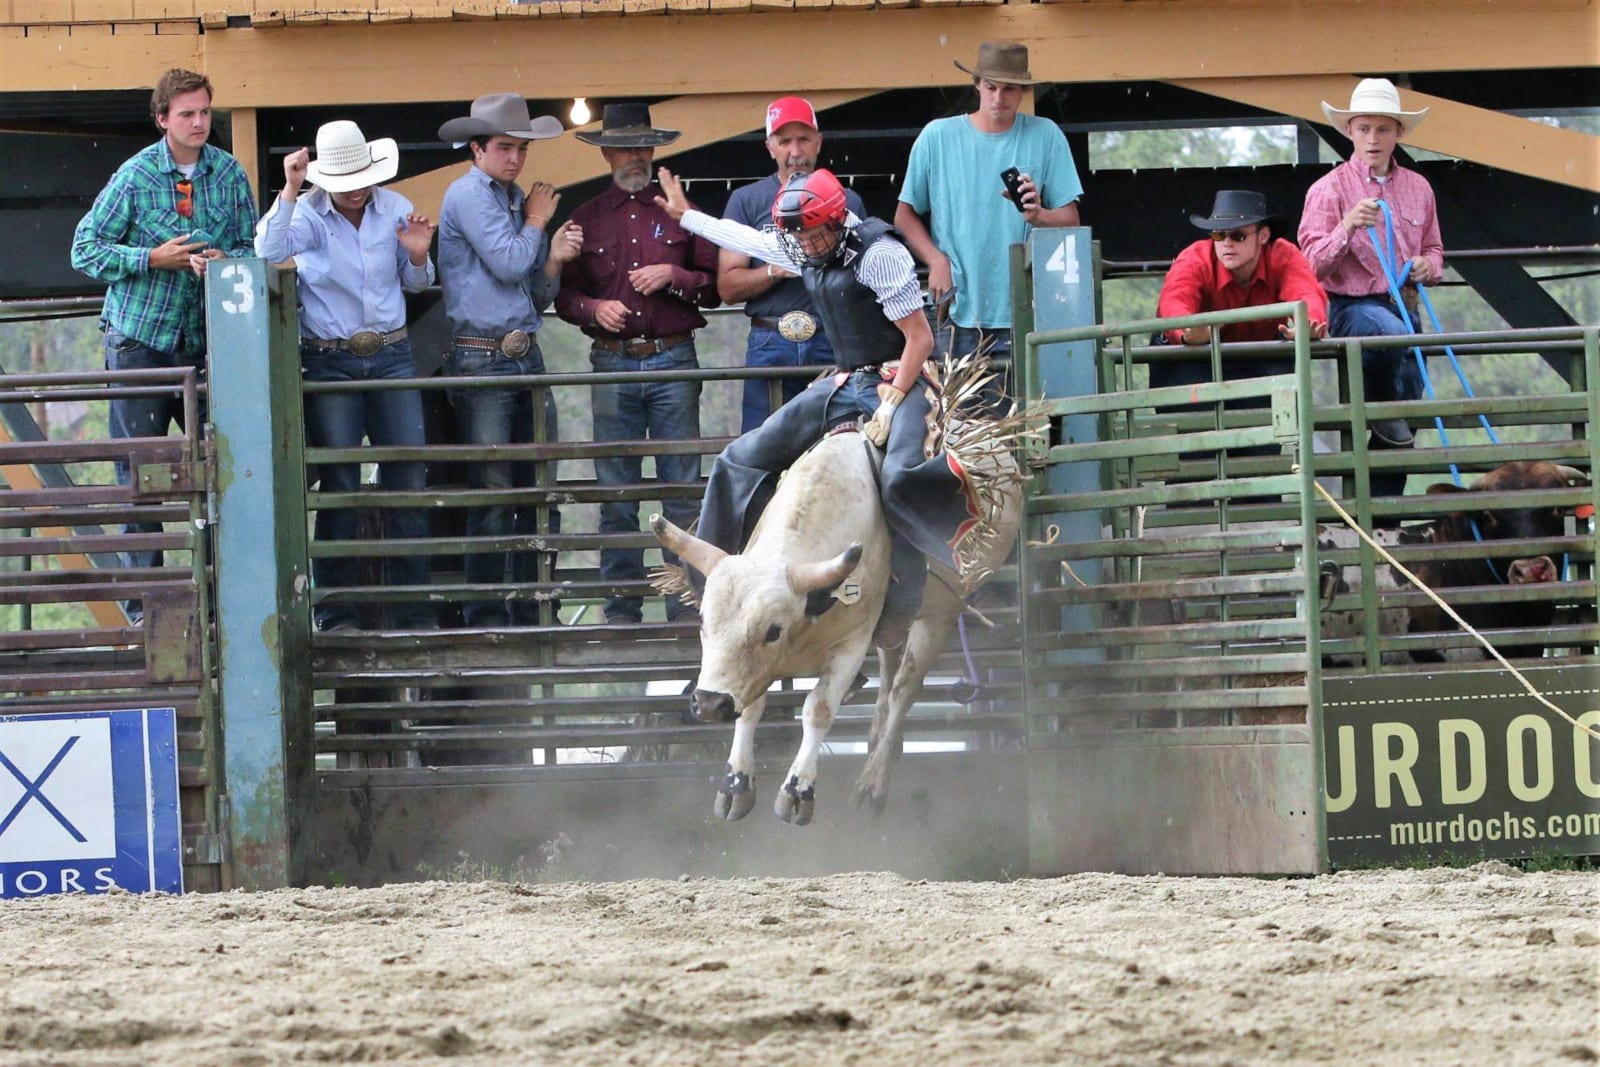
[580,111]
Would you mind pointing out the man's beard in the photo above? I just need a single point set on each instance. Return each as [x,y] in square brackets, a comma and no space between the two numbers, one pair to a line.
[632,179]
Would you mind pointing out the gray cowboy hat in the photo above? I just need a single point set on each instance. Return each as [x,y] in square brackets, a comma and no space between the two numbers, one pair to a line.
[1003,62]
[1234,207]
[627,126]
[501,113]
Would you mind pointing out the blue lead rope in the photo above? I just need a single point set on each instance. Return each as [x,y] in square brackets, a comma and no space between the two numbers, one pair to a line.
[1387,259]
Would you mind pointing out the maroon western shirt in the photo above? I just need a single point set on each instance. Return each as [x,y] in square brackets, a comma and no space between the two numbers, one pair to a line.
[622,231]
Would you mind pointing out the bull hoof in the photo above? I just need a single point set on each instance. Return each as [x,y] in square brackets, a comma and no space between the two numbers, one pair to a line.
[736,797]
[869,796]
[795,805]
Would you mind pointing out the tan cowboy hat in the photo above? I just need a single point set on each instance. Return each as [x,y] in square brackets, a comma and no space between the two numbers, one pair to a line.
[627,126]
[501,113]
[347,161]
[1002,61]
[1374,96]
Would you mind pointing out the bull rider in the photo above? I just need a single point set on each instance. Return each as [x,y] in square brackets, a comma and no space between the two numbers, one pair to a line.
[863,282]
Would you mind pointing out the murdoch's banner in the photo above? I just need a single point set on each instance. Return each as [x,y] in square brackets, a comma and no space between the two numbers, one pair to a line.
[1461,765]
[88,802]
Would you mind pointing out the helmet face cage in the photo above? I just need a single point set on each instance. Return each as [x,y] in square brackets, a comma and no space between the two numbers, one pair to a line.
[808,203]
[795,248]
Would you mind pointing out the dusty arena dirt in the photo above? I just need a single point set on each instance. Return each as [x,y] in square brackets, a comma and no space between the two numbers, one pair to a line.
[1485,965]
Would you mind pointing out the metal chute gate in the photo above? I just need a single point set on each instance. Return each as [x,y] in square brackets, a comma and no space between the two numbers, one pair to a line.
[1169,650]
[1199,626]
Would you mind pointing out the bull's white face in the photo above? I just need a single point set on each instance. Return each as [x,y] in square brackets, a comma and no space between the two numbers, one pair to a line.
[750,619]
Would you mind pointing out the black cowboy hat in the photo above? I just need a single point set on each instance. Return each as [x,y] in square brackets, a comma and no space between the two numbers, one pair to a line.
[1234,207]
[627,126]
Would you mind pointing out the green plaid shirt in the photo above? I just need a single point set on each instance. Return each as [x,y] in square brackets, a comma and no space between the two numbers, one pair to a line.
[138,210]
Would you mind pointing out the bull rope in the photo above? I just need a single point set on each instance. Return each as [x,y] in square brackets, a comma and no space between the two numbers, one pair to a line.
[1448,610]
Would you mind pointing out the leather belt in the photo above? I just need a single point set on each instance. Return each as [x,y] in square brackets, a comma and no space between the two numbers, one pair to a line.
[640,347]
[764,322]
[513,345]
[362,343]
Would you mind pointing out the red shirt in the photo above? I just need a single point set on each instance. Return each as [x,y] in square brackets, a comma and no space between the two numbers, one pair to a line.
[1198,282]
[622,231]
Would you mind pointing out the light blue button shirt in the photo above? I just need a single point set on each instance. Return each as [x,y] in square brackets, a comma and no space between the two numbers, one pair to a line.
[491,261]
[349,280]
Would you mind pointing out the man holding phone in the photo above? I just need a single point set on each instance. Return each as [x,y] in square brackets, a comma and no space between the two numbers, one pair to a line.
[974,186]
[192,199]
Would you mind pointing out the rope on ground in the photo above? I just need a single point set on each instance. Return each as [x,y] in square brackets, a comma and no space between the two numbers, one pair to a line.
[1448,610]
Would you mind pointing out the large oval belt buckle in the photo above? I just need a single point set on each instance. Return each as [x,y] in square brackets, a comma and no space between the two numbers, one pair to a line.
[516,343]
[364,343]
[797,326]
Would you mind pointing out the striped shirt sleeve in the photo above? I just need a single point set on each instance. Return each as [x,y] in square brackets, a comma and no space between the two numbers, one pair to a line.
[888,270]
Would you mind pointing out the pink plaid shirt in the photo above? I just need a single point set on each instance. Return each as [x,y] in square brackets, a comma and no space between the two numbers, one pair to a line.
[1346,263]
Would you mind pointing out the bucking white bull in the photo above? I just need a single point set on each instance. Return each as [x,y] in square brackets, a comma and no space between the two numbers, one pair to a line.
[802,599]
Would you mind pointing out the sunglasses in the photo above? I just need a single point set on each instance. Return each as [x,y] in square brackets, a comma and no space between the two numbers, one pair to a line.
[1236,236]
[186,198]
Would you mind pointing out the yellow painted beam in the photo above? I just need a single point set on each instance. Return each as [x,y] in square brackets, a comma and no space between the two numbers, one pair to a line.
[1507,142]
[636,54]
[702,120]
[246,144]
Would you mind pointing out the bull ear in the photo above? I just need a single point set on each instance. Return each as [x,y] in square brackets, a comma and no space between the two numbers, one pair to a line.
[703,556]
[807,578]
[1438,488]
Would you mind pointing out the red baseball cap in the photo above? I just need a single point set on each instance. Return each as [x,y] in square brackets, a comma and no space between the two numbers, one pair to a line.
[790,109]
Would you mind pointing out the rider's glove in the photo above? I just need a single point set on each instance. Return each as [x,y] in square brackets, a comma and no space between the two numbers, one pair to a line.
[877,428]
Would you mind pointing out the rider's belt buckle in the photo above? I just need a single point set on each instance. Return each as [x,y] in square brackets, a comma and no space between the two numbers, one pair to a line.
[516,344]
[364,343]
[797,326]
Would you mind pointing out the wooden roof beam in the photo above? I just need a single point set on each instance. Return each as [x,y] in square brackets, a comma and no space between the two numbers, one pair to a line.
[897,48]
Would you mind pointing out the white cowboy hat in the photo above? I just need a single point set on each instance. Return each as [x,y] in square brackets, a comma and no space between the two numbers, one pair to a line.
[346,160]
[1374,96]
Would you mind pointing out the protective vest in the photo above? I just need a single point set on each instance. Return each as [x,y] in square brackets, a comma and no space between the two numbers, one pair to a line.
[860,334]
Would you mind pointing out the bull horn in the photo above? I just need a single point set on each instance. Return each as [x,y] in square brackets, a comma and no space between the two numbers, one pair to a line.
[703,556]
[807,578]
[1572,475]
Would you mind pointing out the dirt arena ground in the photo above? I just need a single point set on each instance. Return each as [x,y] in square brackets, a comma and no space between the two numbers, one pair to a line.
[1485,966]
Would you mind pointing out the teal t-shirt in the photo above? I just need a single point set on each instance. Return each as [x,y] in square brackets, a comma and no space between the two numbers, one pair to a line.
[953,179]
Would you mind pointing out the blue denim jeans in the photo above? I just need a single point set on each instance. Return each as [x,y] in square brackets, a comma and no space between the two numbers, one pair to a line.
[636,412]
[499,417]
[143,416]
[952,341]
[342,420]
[769,348]
[1390,373]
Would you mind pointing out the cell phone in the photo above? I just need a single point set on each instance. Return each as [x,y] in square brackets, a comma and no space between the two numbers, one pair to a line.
[202,237]
[1013,179]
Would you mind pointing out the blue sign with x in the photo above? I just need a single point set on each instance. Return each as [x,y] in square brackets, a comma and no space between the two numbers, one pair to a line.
[89,802]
